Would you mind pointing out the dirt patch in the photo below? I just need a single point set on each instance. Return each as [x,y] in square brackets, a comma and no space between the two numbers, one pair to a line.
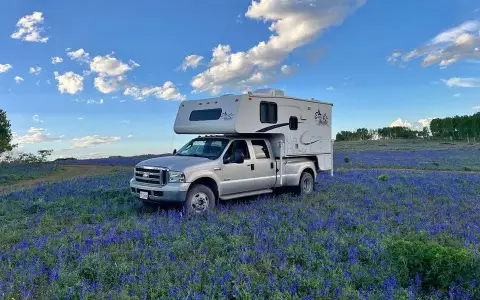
[64,172]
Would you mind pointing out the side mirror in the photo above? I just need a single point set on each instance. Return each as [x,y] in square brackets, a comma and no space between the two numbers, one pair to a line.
[174,151]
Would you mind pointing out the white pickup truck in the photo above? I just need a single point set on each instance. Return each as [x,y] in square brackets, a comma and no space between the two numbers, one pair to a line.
[250,144]
[211,168]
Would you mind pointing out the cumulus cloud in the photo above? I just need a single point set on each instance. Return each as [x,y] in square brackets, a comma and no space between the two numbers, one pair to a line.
[18,79]
[191,61]
[89,141]
[330,89]
[109,84]
[108,66]
[453,45]
[57,60]
[293,24]
[37,135]
[5,68]
[130,136]
[395,56]
[36,118]
[168,91]
[69,82]
[35,70]
[79,55]
[476,107]
[419,125]
[29,28]
[110,72]
[462,82]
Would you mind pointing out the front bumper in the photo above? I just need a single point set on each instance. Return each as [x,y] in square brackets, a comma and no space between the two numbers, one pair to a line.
[171,192]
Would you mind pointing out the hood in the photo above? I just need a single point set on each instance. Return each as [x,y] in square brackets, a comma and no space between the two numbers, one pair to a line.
[175,163]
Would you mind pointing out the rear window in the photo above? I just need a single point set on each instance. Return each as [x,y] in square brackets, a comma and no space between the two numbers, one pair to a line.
[206,114]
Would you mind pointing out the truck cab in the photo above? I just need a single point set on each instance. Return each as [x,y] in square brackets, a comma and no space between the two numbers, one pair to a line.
[212,168]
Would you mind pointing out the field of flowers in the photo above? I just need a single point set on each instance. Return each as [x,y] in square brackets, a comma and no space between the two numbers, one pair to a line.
[365,235]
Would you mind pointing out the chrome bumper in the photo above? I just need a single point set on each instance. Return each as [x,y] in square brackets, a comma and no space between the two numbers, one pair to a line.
[172,192]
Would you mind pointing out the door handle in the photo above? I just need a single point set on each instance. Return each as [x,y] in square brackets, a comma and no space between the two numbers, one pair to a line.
[217,169]
[271,165]
[252,166]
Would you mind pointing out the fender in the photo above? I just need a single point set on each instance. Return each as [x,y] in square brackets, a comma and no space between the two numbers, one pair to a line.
[311,167]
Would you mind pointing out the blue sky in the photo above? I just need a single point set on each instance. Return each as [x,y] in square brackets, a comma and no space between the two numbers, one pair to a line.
[120,81]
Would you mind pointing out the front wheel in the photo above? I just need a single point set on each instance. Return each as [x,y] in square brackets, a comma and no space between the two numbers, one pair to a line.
[306,185]
[200,199]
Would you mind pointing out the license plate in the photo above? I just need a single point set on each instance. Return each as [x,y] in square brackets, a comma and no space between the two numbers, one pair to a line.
[144,195]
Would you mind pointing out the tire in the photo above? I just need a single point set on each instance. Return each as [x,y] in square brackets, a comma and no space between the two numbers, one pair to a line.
[200,199]
[306,186]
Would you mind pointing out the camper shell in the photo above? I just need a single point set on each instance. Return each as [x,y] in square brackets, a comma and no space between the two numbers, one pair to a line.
[295,127]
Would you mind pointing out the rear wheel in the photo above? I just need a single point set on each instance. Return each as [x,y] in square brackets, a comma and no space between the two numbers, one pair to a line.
[306,185]
[200,199]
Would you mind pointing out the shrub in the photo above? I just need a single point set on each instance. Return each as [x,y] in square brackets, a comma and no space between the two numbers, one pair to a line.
[383,177]
[438,265]
[435,164]
[346,159]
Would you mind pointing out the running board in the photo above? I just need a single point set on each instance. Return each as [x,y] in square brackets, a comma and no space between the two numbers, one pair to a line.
[246,194]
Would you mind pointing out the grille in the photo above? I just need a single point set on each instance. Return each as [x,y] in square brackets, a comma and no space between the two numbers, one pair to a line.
[151,175]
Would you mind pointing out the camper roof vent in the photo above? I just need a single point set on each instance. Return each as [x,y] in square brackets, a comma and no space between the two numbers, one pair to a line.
[270,92]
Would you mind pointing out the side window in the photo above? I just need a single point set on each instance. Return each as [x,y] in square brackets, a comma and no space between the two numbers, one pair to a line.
[238,145]
[268,112]
[261,149]
[293,123]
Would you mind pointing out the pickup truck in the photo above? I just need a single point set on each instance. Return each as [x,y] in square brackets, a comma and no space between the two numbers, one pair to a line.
[212,168]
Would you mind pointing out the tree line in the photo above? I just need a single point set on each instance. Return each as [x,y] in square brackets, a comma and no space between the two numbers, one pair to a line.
[451,128]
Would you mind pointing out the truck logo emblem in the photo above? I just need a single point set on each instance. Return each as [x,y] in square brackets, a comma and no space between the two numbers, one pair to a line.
[227,116]
[322,119]
[145,175]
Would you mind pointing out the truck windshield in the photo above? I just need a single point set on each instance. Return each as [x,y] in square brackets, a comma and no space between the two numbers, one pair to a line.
[204,147]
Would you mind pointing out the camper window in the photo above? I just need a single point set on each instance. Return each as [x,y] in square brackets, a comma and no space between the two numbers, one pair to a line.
[268,112]
[260,148]
[293,123]
[206,114]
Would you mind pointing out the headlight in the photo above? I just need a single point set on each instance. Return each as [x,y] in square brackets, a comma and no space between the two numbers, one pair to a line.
[175,177]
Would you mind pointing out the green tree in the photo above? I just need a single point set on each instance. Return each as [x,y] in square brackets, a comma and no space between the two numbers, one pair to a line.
[5,133]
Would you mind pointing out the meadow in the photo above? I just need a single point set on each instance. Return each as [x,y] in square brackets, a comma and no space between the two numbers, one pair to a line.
[387,233]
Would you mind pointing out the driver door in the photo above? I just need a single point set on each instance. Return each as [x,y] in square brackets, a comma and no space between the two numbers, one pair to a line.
[237,178]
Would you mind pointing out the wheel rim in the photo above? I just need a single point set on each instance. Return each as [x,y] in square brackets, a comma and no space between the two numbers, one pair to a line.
[307,185]
[199,202]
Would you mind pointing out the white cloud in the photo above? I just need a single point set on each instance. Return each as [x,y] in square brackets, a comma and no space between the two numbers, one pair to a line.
[191,61]
[18,79]
[130,136]
[35,70]
[5,68]
[81,118]
[453,45]
[34,138]
[36,118]
[457,95]
[95,102]
[418,126]
[133,64]
[89,141]
[463,82]
[36,130]
[476,108]
[57,60]
[400,123]
[108,66]
[293,24]
[48,81]
[330,89]
[289,69]
[69,82]
[166,92]
[121,101]
[29,28]
[79,55]
[394,57]
[109,84]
